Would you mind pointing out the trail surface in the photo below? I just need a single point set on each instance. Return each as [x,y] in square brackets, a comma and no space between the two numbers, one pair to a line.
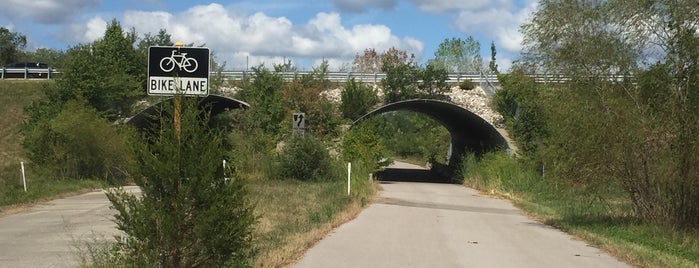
[416,224]
[49,235]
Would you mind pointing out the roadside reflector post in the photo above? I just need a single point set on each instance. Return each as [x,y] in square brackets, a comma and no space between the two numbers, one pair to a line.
[349,177]
[24,178]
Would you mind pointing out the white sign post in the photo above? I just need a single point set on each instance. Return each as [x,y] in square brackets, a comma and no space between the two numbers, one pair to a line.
[24,178]
[349,177]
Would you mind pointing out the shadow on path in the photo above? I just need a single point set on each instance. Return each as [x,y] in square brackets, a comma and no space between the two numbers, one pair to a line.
[410,175]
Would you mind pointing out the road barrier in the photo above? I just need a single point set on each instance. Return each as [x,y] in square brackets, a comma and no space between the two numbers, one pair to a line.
[26,73]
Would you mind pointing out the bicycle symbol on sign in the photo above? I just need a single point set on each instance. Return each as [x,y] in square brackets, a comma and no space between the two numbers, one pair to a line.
[180,60]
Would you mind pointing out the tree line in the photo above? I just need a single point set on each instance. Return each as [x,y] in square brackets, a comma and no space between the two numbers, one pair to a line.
[640,134]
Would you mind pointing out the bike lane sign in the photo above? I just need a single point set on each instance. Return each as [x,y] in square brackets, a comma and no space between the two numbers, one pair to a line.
[178,70]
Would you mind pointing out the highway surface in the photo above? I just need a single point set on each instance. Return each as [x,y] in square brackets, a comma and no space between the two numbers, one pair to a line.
[417,224]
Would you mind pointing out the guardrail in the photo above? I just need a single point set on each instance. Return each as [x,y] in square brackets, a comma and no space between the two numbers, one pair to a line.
[26,73]
[361,77]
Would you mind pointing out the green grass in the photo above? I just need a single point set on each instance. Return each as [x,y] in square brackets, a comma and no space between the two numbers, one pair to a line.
[602,214]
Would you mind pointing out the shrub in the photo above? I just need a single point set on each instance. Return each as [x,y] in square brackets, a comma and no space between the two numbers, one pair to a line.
[467,85]
[357,98]
[192,212]
[305,158]
[78,143]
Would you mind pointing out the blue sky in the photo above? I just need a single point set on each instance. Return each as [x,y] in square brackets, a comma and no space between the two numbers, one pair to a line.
[246,33]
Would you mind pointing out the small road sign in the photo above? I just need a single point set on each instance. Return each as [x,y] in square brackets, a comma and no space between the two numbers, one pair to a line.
[178,70]
[299,121]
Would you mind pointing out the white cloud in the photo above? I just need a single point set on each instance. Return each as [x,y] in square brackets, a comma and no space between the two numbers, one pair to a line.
[500,24]
[249,40]
[87,32]
[46,11]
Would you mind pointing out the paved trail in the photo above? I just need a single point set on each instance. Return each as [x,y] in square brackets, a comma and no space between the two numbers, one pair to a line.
[48,235]
[444,225]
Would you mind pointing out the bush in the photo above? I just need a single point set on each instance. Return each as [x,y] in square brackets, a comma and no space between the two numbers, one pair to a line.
[78,143]
[305,158]
[192,212]
[357,98]
[467,85]
[361,144]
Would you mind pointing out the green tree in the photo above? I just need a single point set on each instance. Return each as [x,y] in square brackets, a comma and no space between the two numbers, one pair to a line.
[459,55]
[265,98]
[492,65]
[650,136]
[432,82]
[53,57]
[362,144]
[11,46]
[356,99]
[108,73]
[162,38]
[192,212]
[400,81]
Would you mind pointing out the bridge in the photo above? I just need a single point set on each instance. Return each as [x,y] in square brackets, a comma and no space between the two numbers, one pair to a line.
[470,133]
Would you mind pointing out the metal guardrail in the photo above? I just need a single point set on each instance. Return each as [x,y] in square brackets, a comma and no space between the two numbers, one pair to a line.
[361,77]
[26,73]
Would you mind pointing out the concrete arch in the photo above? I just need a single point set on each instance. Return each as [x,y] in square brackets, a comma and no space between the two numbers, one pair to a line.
[218,104]
[469,132]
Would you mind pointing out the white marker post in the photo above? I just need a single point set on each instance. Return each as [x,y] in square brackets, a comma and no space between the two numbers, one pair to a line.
[349,176]
[24,178]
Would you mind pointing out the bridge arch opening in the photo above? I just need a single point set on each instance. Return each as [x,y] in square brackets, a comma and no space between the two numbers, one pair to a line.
[469,132]
[217,103]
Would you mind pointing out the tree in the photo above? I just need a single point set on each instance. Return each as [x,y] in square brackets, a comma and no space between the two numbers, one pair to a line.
[108,73]
[265,98]
[11,46]
[579,39]
[650,135]
[432,82]
[356,99]
[492,65]
[192,212]
[369,62]
[457,55]
[106,77]
[162,38]
[53,57]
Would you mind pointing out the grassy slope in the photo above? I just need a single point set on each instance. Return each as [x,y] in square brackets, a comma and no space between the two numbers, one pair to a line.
[14,96]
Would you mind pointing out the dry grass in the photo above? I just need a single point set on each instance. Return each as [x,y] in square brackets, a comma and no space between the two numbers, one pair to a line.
[14,96]
[295,215]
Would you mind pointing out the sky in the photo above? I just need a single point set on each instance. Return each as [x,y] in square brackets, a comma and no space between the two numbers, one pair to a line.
[244,34]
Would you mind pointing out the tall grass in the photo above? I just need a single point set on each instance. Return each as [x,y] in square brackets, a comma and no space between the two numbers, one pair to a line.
[600,213]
